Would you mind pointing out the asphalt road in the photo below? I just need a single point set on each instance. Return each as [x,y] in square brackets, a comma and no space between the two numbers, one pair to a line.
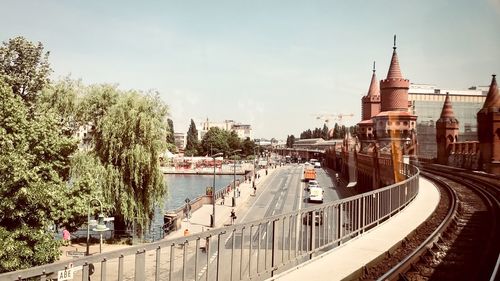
[282,192]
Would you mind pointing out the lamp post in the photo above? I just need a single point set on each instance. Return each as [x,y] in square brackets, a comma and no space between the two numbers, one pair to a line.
[100,226]
[212,221]
[234,175]
[254,160]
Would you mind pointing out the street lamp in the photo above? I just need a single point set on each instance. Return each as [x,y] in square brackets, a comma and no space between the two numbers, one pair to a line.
[100,225]
[254,159]
[212,221]
[234,174]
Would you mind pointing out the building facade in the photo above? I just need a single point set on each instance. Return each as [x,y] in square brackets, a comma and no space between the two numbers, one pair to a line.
[481,154]
[180,141]
[243,130]
[426,101]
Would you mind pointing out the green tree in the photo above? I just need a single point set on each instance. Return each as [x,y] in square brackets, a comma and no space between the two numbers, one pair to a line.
[215,141]
[192,142]
[247,147]
[324,132]
[128,141]
[96,102]
[233,140]
[307,134]
[290,140]
[170,131]
[62,97]
[34,170]
[170,136]
[25,67]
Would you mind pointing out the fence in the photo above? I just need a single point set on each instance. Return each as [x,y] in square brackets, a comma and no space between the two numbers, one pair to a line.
[255,250]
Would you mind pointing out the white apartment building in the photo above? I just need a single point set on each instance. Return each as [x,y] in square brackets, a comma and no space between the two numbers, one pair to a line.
[180,140]
[243,130]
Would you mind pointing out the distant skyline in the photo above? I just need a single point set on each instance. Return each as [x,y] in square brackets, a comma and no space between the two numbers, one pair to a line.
[271,64]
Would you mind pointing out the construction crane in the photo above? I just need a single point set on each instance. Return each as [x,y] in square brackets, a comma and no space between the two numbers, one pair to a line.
[340,117]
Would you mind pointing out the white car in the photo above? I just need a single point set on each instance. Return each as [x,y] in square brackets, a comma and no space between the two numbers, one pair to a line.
[312,183]
[317,165]
[316,194]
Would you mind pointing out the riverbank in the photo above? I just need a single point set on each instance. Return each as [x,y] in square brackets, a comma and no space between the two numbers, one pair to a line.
[225,169]
[199,221]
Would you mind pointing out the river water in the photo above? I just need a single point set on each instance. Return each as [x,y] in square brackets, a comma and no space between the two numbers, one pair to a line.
[181,187]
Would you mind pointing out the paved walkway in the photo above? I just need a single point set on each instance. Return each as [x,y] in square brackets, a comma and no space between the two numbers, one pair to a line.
[345,261]
[199,221]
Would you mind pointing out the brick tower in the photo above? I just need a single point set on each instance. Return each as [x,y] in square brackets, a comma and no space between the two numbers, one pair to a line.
[488,130]
[394,125]
[370,106]
[446,131]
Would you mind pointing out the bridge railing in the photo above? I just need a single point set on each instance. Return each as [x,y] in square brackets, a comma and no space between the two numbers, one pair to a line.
[254,250]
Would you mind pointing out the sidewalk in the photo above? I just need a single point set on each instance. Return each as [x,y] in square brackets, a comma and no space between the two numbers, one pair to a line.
[199,221]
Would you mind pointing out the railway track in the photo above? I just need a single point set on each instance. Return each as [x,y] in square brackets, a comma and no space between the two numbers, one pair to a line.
[459,243]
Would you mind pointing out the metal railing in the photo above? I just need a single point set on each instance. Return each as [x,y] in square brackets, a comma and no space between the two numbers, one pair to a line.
[254,250]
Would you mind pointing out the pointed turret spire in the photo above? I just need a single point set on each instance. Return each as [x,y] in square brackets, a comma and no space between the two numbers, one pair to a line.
[374,87]
[394,70]
[447,111]
[493,97]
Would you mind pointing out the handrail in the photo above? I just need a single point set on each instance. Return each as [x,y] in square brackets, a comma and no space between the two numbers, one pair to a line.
[258,248]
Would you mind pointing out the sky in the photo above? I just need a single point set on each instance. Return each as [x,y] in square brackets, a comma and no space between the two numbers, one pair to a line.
[272,64]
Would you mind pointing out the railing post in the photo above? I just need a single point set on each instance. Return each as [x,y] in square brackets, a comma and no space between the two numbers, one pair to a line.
[85,272]
[140,265]
[218,257]
[274,249]
[158,262]
[103,270]
[363,214]
[313,233]
[341,223]
[378,208]
[120,268]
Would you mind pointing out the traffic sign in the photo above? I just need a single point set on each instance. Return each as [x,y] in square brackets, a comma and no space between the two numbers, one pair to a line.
[66,274]
[75,254]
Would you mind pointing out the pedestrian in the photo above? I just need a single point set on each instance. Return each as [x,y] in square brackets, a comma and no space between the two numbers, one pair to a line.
[233,216]
[91,269]
[254,189]
[223,199]
[66,237]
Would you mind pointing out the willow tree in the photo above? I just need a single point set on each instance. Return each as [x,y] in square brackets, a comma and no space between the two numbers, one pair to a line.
[129,139]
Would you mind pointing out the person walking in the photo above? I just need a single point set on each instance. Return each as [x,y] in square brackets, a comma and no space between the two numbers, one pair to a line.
[66,237]
[223,199]
[233,216]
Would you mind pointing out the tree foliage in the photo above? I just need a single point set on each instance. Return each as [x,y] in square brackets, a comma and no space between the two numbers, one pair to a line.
[34,169]
[192,142]
[290,140]
[129,139]
[247,147]
[170,131]
[44,180]
[25,67]
[217,140]
[337,133]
